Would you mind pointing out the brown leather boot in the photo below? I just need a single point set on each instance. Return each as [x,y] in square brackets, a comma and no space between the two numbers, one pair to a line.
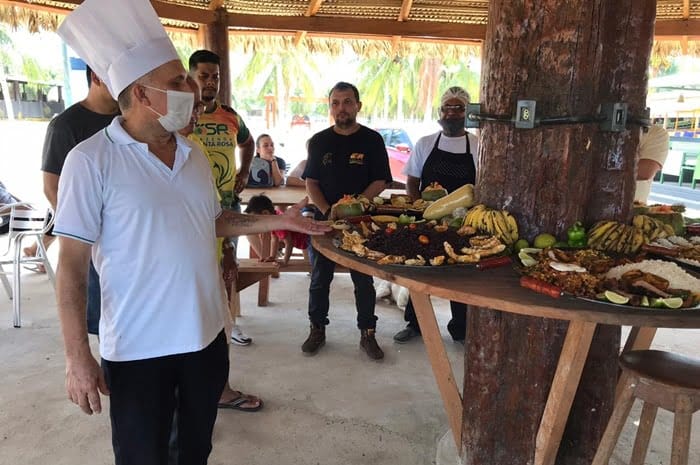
[368,343]
[316,340]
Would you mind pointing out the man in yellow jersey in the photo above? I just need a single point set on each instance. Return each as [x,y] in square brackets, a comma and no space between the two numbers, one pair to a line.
[230,398]
[221,130]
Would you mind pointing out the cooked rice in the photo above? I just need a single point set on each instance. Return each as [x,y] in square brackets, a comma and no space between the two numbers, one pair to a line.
[674,274]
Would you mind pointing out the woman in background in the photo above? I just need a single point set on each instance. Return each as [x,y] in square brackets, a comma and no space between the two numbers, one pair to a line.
[266,170]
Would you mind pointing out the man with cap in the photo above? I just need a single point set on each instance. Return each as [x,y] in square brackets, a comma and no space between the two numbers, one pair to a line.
[345,159]
[151,230]
[448,157]
[221,130]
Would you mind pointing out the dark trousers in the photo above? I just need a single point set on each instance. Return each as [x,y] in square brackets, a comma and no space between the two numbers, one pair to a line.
[143,399]
[320,288]
[457,327]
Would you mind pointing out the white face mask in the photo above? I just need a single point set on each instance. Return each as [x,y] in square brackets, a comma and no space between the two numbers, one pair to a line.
[180,105]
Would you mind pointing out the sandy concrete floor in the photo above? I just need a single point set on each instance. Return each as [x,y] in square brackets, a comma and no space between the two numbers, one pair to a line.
[335,408]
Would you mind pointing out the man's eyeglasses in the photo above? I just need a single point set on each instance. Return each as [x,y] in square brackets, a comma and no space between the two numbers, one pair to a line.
[453,108]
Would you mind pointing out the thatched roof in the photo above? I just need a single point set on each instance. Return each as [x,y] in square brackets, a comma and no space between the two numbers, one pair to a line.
[370,27]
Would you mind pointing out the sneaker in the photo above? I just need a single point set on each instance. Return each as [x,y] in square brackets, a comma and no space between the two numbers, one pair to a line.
[238,337]
[406,334]
[368,343]
[316,340]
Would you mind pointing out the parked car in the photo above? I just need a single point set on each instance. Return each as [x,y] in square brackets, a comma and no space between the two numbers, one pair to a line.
[301,120]
[399,147]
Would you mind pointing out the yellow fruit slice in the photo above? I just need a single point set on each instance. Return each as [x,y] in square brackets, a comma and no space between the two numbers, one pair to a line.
[616,298]
[385,219]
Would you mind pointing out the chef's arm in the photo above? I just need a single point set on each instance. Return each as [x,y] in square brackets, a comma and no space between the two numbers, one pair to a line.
[413,187]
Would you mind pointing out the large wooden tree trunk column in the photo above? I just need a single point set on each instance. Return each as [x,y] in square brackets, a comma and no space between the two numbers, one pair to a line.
[216,40]
[569,57]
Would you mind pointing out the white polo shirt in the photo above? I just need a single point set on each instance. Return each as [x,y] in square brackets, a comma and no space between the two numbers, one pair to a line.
[424,146]
[152,230]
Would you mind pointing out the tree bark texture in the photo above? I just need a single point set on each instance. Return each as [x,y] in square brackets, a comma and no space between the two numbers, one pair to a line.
[570,57]
[216,40]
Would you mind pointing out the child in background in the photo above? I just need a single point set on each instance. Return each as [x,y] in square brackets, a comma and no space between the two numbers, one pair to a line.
[262,205]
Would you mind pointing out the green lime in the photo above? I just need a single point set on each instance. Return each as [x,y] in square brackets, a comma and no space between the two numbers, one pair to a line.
[616,298]
[521,244]
[671,302]
[600,296]
[544,240]
[526,259]
[645,301]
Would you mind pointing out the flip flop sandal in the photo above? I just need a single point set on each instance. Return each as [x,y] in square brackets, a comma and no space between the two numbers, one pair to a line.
[237,403]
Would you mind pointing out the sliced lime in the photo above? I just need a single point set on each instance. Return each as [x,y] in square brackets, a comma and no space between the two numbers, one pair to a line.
[671,302]
[526,259]
[645,301]
[616,298]
[600,296]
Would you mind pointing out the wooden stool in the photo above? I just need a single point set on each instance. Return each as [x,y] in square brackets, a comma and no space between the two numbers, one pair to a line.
[660,379]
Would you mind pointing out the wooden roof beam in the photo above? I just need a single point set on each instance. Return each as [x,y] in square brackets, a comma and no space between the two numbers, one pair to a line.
[299,37]
[405,9]
[680,27]
[686,9]
[36,7]
[314,6]
[364,26]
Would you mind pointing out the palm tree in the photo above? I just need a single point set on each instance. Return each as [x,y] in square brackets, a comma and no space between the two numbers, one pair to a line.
[288,73]
[6,60]
[389,86]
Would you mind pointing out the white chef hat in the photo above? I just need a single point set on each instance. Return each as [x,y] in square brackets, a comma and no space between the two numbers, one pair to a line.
[457,93]
[120,40]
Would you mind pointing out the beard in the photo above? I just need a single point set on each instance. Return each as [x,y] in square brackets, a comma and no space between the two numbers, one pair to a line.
[346,121]
[452,127]
[208,98]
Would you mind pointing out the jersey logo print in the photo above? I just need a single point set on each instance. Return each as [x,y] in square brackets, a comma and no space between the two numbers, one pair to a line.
[327,159]
[357,158]
[211,129]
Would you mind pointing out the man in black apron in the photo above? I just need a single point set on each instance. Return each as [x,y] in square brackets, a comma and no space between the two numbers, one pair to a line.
[449,158]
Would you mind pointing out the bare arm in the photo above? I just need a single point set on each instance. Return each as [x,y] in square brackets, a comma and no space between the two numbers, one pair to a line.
[647,169]
[246,151]
[277,176]
[51,188]
[374,189]
[237,224]
[296,182]
[313,188]
[84,376]
[288,248]
[413,187]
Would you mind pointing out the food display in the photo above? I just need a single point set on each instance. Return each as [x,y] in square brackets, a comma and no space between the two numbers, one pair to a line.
[592,274]
[421,243]
[462,197]
[433,192]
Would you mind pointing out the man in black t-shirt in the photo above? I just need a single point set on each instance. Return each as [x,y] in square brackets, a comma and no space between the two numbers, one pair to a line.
[77,123]
[346,158]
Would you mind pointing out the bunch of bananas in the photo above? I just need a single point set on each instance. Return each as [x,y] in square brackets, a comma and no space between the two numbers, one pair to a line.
[498,223]
[611,236]
[652,228]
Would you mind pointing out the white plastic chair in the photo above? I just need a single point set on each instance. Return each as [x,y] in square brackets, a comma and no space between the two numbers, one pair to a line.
[25,222]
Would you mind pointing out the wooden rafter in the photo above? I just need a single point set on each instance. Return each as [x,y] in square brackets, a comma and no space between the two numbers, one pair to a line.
[405,9]
[395,41]
[314,6]
[686,9]
[381,27]
[299,37]
[681,27]
[214,4]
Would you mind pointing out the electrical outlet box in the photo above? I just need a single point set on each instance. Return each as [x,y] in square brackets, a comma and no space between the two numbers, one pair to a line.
[473,111]
[615,117]
[525,114]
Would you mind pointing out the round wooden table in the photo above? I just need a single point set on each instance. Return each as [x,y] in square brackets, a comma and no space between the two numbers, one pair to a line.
[499,289]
